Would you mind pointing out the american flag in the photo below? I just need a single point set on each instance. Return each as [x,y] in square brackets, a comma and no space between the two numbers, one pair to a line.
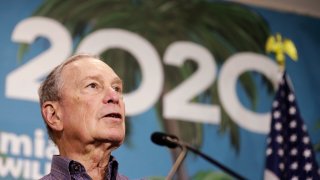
[289,150]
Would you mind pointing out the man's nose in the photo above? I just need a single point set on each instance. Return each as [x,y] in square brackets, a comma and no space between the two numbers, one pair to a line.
[112,96]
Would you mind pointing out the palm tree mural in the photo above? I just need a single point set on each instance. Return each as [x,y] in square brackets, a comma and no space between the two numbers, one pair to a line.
[223,28]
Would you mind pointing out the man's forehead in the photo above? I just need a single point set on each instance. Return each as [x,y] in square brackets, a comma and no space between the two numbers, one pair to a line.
[87,61]
[88,67]
[87,64]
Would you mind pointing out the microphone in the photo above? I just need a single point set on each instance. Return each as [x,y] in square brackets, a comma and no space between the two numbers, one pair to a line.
[172,141]
[163,139]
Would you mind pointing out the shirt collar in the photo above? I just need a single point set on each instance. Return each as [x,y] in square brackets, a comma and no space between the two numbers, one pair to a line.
[67,167]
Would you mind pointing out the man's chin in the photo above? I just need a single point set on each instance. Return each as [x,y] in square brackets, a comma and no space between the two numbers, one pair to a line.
[113,141]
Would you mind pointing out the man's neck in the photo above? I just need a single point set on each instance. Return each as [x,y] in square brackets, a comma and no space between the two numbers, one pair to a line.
[94,158]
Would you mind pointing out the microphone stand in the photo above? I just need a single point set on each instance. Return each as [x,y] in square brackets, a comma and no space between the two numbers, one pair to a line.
[177,163]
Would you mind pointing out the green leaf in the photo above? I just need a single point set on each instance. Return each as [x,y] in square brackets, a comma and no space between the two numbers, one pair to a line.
[210,175]
[156,178]
[23,48]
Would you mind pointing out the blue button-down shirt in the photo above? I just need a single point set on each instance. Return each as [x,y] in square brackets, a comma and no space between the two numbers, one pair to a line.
[66,169]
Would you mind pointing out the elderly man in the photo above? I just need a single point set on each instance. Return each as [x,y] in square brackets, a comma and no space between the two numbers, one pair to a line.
[82,106]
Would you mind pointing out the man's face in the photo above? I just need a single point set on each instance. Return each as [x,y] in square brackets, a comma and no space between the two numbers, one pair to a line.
[91,106]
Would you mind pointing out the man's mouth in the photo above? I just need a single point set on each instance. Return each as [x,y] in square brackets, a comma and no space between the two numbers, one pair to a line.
[114,115]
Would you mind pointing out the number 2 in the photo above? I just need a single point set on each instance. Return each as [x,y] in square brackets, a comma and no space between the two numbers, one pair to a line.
[177,103]
[22,83]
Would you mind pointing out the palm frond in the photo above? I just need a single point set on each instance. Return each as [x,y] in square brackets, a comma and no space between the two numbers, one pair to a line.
[249,88]
[222,27]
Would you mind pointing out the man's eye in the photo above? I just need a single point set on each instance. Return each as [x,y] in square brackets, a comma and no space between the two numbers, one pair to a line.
[92,85]
[117,89]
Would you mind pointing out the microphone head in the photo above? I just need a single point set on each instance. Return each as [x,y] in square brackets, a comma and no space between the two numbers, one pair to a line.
[163,139]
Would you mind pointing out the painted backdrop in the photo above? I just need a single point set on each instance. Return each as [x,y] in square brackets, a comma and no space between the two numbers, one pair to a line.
[197,70]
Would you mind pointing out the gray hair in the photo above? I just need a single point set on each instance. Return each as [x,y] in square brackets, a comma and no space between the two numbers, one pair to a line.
[50,88]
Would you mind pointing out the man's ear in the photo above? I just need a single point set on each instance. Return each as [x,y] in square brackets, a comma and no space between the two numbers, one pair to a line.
[51,115]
